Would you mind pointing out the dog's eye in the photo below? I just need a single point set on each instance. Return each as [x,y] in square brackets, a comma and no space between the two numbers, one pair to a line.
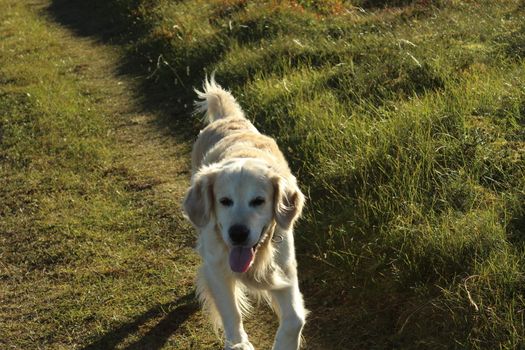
[256,202]
[227,202]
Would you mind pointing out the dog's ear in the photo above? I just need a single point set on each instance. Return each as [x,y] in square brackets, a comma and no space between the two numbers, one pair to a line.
[288,202]
[198,202]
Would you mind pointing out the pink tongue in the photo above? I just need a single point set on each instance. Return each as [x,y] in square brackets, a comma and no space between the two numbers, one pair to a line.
[241,258]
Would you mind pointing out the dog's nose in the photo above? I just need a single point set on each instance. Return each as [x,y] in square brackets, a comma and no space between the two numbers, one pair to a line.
[238,234]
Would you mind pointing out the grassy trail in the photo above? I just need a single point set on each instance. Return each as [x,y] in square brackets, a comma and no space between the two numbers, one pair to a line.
[94,251]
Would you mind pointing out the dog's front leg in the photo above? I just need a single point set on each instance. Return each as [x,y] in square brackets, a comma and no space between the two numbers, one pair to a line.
[222,289]
[292,317]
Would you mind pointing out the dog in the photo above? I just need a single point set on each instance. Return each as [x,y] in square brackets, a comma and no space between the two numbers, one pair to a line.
[243,202]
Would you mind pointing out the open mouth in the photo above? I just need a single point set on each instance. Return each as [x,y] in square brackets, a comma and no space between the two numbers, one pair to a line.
[241,258]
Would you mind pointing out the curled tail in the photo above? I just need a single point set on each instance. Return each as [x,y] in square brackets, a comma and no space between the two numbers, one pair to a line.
[216,102]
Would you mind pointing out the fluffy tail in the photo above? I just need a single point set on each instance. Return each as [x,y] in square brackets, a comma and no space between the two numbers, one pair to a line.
[216,102]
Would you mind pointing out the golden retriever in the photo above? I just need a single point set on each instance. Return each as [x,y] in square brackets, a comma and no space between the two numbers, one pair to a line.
[243,201]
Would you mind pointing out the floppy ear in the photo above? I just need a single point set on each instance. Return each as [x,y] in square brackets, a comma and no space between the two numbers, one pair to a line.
[288,202]
[198,202]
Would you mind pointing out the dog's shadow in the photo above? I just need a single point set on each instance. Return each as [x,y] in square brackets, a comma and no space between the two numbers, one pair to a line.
[157,336]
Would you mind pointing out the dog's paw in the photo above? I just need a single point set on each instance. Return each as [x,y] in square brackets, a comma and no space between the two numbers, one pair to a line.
[245,345]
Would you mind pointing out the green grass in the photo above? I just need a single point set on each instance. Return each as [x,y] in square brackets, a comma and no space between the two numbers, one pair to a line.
[403,120]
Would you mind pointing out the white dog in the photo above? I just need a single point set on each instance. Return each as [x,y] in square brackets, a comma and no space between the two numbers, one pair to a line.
[243,200]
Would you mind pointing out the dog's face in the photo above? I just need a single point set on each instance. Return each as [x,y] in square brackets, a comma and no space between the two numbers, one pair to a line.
[242,197]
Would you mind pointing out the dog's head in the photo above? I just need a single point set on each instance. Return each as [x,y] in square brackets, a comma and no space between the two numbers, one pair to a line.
[243,198]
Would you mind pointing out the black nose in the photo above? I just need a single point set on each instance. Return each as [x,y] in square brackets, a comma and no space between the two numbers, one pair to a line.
[238,234]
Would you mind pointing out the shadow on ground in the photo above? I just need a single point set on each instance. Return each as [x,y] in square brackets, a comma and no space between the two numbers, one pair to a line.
[158,335]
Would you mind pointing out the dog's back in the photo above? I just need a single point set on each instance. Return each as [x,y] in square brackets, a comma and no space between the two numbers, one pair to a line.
[216,102]
[229,133]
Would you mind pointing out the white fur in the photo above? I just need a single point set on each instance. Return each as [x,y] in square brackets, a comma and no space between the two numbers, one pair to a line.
[216,102]
[232,160]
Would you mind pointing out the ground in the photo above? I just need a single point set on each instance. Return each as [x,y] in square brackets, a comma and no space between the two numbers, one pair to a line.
[403,120]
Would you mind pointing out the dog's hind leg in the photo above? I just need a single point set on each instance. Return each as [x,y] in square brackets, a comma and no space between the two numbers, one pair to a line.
[292,314]
[222,290]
